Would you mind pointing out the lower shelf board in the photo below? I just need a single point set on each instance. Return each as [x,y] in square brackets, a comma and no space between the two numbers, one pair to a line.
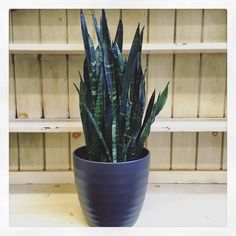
[165,176]
[165,205]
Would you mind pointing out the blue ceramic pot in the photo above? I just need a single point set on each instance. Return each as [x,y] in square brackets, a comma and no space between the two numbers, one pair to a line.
[111,194]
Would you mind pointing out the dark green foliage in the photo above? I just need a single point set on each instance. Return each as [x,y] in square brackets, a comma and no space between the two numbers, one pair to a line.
[112,96]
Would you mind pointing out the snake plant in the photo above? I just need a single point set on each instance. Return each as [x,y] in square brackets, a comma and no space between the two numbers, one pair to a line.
[112,95]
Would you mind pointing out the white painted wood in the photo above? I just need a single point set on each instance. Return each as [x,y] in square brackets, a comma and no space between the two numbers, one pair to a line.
[215,25]
[189,24]
[186,85]
[58,205]
[158,177]
[183,151]
[28,87]
[188,177]
[53,26]
[31,151]
[26,26]
[12,95]
[161,26]
[160,72]
[55,86]
[113,16]
[130,19]
[161,125]
[212,91]
[54,68]
[159,146]
[46,125]
[74,26]
[209,151]
[57,151]
[186,88]
[13,152]
[151,48]
[74,29]
[76,141]
[75,65]
[224,163]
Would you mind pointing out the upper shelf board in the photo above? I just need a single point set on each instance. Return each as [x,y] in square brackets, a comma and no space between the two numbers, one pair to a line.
[160,125]
[161,48]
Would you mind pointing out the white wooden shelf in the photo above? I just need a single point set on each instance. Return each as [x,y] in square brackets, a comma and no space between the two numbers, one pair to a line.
[169,205]
[161,125]
[155,176]
[162,48]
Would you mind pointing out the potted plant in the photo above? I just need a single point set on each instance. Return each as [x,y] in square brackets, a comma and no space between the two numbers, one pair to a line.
[111,171]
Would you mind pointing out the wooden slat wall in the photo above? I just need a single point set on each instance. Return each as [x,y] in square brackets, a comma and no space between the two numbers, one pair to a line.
[161,72]
[42,86]
[212,90]
[26,29]
[186,83]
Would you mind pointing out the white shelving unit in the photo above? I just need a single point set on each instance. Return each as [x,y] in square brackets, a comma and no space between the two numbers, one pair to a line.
[162,124]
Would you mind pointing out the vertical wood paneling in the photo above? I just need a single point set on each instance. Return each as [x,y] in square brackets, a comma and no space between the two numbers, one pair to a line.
[74,27]
[60,99]
[212,91]
[28,87]
[54,67]
[215,30]
[186,87]
[209,151]
[215,25]
[188,26]
[55,95]
[13,152]
[26,26]
[159,147]
[31,151]
[53,26]
[159,73]
[224,158]
[113,16]
[28,91]
[130,19]
[12,105]
[55,86]
[75,65]
[57,151]
[161,26]
[26,29]
[183,151]
[76,141]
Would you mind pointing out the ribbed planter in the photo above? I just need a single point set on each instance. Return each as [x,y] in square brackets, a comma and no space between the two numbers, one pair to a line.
[111,194]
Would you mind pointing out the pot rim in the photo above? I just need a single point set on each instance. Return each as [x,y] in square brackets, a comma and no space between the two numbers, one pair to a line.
[146,156]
